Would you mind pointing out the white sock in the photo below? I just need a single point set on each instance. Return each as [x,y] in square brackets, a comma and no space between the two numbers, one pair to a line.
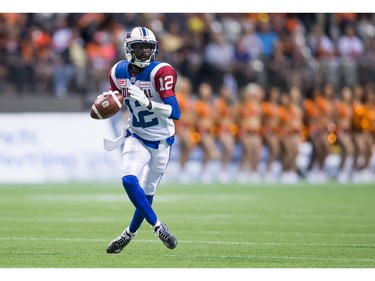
[156,225]
[130,233]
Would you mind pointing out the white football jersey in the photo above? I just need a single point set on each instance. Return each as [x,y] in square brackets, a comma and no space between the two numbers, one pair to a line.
[157,81]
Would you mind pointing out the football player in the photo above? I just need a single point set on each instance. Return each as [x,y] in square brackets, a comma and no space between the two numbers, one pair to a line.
[148,88]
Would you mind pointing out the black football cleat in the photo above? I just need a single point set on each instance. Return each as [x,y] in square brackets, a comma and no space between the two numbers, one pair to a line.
[119,243]
[165,236]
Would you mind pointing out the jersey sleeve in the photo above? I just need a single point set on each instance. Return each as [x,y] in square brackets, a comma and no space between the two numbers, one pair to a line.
[112,85]
[165,81]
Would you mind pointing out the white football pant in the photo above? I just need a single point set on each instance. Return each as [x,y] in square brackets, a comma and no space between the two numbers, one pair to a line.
[146,163]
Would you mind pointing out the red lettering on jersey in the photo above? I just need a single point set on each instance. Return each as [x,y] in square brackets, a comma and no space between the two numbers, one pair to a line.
[165,80]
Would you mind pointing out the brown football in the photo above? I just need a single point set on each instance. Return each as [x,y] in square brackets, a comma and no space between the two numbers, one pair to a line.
[105,106]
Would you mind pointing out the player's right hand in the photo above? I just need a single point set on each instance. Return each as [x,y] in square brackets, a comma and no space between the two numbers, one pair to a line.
[138,95]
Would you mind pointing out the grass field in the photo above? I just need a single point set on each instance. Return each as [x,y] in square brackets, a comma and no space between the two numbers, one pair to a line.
[223,226]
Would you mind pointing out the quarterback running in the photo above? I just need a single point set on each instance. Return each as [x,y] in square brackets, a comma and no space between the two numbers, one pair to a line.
[148,89]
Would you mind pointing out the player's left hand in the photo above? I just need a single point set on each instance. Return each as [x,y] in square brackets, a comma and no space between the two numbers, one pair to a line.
[138,95]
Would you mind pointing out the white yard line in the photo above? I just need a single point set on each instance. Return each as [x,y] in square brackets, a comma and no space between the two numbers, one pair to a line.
[248,257]
[193,242]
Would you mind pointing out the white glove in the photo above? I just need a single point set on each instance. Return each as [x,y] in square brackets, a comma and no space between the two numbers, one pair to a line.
[139,95]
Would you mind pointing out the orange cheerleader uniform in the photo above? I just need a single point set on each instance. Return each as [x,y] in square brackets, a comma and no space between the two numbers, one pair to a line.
[271,117]
[358,116]
[344,116]
[250,118]
[311,114]
[205,117]
[186,108]
[225,117]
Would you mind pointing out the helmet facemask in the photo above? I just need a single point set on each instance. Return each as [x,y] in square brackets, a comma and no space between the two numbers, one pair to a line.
[141,47]
[142,53]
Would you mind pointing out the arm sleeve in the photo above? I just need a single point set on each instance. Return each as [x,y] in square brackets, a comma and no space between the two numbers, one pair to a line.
[112,85]
[168,109]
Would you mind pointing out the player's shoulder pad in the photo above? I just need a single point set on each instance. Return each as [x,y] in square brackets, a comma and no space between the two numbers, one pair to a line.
[119,69]
[163,69]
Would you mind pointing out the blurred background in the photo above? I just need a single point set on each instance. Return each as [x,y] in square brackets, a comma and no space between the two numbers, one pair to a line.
[276,98]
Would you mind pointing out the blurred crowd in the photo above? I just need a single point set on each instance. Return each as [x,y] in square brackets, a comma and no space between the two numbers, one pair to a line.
[63,54]
[247,79]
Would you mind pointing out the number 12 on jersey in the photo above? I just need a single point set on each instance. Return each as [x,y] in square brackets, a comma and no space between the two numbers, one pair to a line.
[139,118]
[166,83]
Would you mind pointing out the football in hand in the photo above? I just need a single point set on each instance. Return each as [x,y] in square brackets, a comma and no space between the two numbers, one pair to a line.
[107,105]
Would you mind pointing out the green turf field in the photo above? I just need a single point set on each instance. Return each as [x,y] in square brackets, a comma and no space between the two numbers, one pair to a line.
[222,226]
